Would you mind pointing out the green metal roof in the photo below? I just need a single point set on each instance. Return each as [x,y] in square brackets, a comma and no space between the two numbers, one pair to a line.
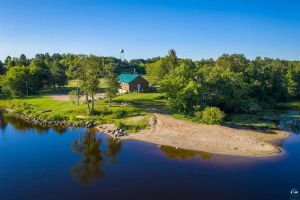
[127,78]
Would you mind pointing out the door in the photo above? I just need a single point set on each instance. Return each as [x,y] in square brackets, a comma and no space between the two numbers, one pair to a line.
[138,87]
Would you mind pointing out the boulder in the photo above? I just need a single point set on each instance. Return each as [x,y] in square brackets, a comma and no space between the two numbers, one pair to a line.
[89,124]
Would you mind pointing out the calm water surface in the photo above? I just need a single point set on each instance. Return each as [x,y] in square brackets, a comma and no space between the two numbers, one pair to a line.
[42,164]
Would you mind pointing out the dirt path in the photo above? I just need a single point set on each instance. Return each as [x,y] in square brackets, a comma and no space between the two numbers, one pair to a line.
[214,139]
[65,97]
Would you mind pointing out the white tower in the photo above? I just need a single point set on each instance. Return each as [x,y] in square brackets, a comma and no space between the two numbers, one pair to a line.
[122,54]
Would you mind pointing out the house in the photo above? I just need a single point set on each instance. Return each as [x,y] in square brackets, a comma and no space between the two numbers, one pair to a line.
[132,83]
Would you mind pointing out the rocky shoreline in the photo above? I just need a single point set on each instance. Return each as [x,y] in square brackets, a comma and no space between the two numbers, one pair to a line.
[112,130]
[48,124]
[115,133]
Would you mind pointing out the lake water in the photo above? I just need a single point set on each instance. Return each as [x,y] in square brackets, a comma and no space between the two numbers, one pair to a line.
[42,164]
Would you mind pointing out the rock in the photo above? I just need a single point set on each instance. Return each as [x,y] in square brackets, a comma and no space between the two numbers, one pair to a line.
[79,117]
[46,111]
[89,124]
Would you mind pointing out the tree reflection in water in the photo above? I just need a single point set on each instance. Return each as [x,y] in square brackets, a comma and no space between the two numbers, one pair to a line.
[59,129]
[90,168]
[113,149]
[183,154]
[20,125]
[290,122]
[3,122]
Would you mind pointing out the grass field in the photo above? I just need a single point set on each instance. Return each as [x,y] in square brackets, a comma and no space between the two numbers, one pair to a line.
[73,83]
[121,111]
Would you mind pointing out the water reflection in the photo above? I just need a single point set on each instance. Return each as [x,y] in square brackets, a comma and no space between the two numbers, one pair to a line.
[183,154]
[290,123]
[33,160]
[113,149]
[3,122]
[90,168]
[87,144]
[19,124]
[59,129]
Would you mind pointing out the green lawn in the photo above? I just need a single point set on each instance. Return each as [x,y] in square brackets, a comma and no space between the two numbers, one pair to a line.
[123,108]
[73,83]
[142,99]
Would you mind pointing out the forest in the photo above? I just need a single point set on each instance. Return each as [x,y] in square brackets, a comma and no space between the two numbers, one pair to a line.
[232,83]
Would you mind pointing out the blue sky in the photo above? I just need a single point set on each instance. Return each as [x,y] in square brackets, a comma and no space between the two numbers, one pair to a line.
[195,29]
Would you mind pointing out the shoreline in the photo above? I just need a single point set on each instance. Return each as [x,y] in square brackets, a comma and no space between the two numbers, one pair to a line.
[166,130]
[46,123]
[211,138]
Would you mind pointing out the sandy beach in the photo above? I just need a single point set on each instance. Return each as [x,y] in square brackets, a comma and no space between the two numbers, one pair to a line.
[166,130]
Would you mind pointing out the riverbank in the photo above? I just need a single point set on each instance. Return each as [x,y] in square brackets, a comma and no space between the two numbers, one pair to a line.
[47,123]
[42,109]
[166,130]
[130,113]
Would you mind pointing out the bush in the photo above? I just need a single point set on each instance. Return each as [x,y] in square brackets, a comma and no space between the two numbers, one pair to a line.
[22,108]
[119,125]
[198,116]
[103,111]
[56,117]
[210,115]
[121,113]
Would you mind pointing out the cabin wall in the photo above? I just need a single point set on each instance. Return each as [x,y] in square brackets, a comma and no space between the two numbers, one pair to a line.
[144,85]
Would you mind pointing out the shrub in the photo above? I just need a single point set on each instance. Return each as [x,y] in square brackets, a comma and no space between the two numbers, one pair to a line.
[198,116]
[210,115]
[22,108]
[56,117]
[121,113]
[73,118]
[119,125]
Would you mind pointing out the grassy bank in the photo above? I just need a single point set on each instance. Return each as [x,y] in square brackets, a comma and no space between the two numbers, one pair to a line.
[126,108]
[121,112]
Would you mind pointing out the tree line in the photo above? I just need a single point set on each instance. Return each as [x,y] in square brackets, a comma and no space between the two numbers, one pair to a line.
[232,83]
[22,76]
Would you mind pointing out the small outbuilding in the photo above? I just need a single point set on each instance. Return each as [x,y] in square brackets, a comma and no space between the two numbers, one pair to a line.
[132,83]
